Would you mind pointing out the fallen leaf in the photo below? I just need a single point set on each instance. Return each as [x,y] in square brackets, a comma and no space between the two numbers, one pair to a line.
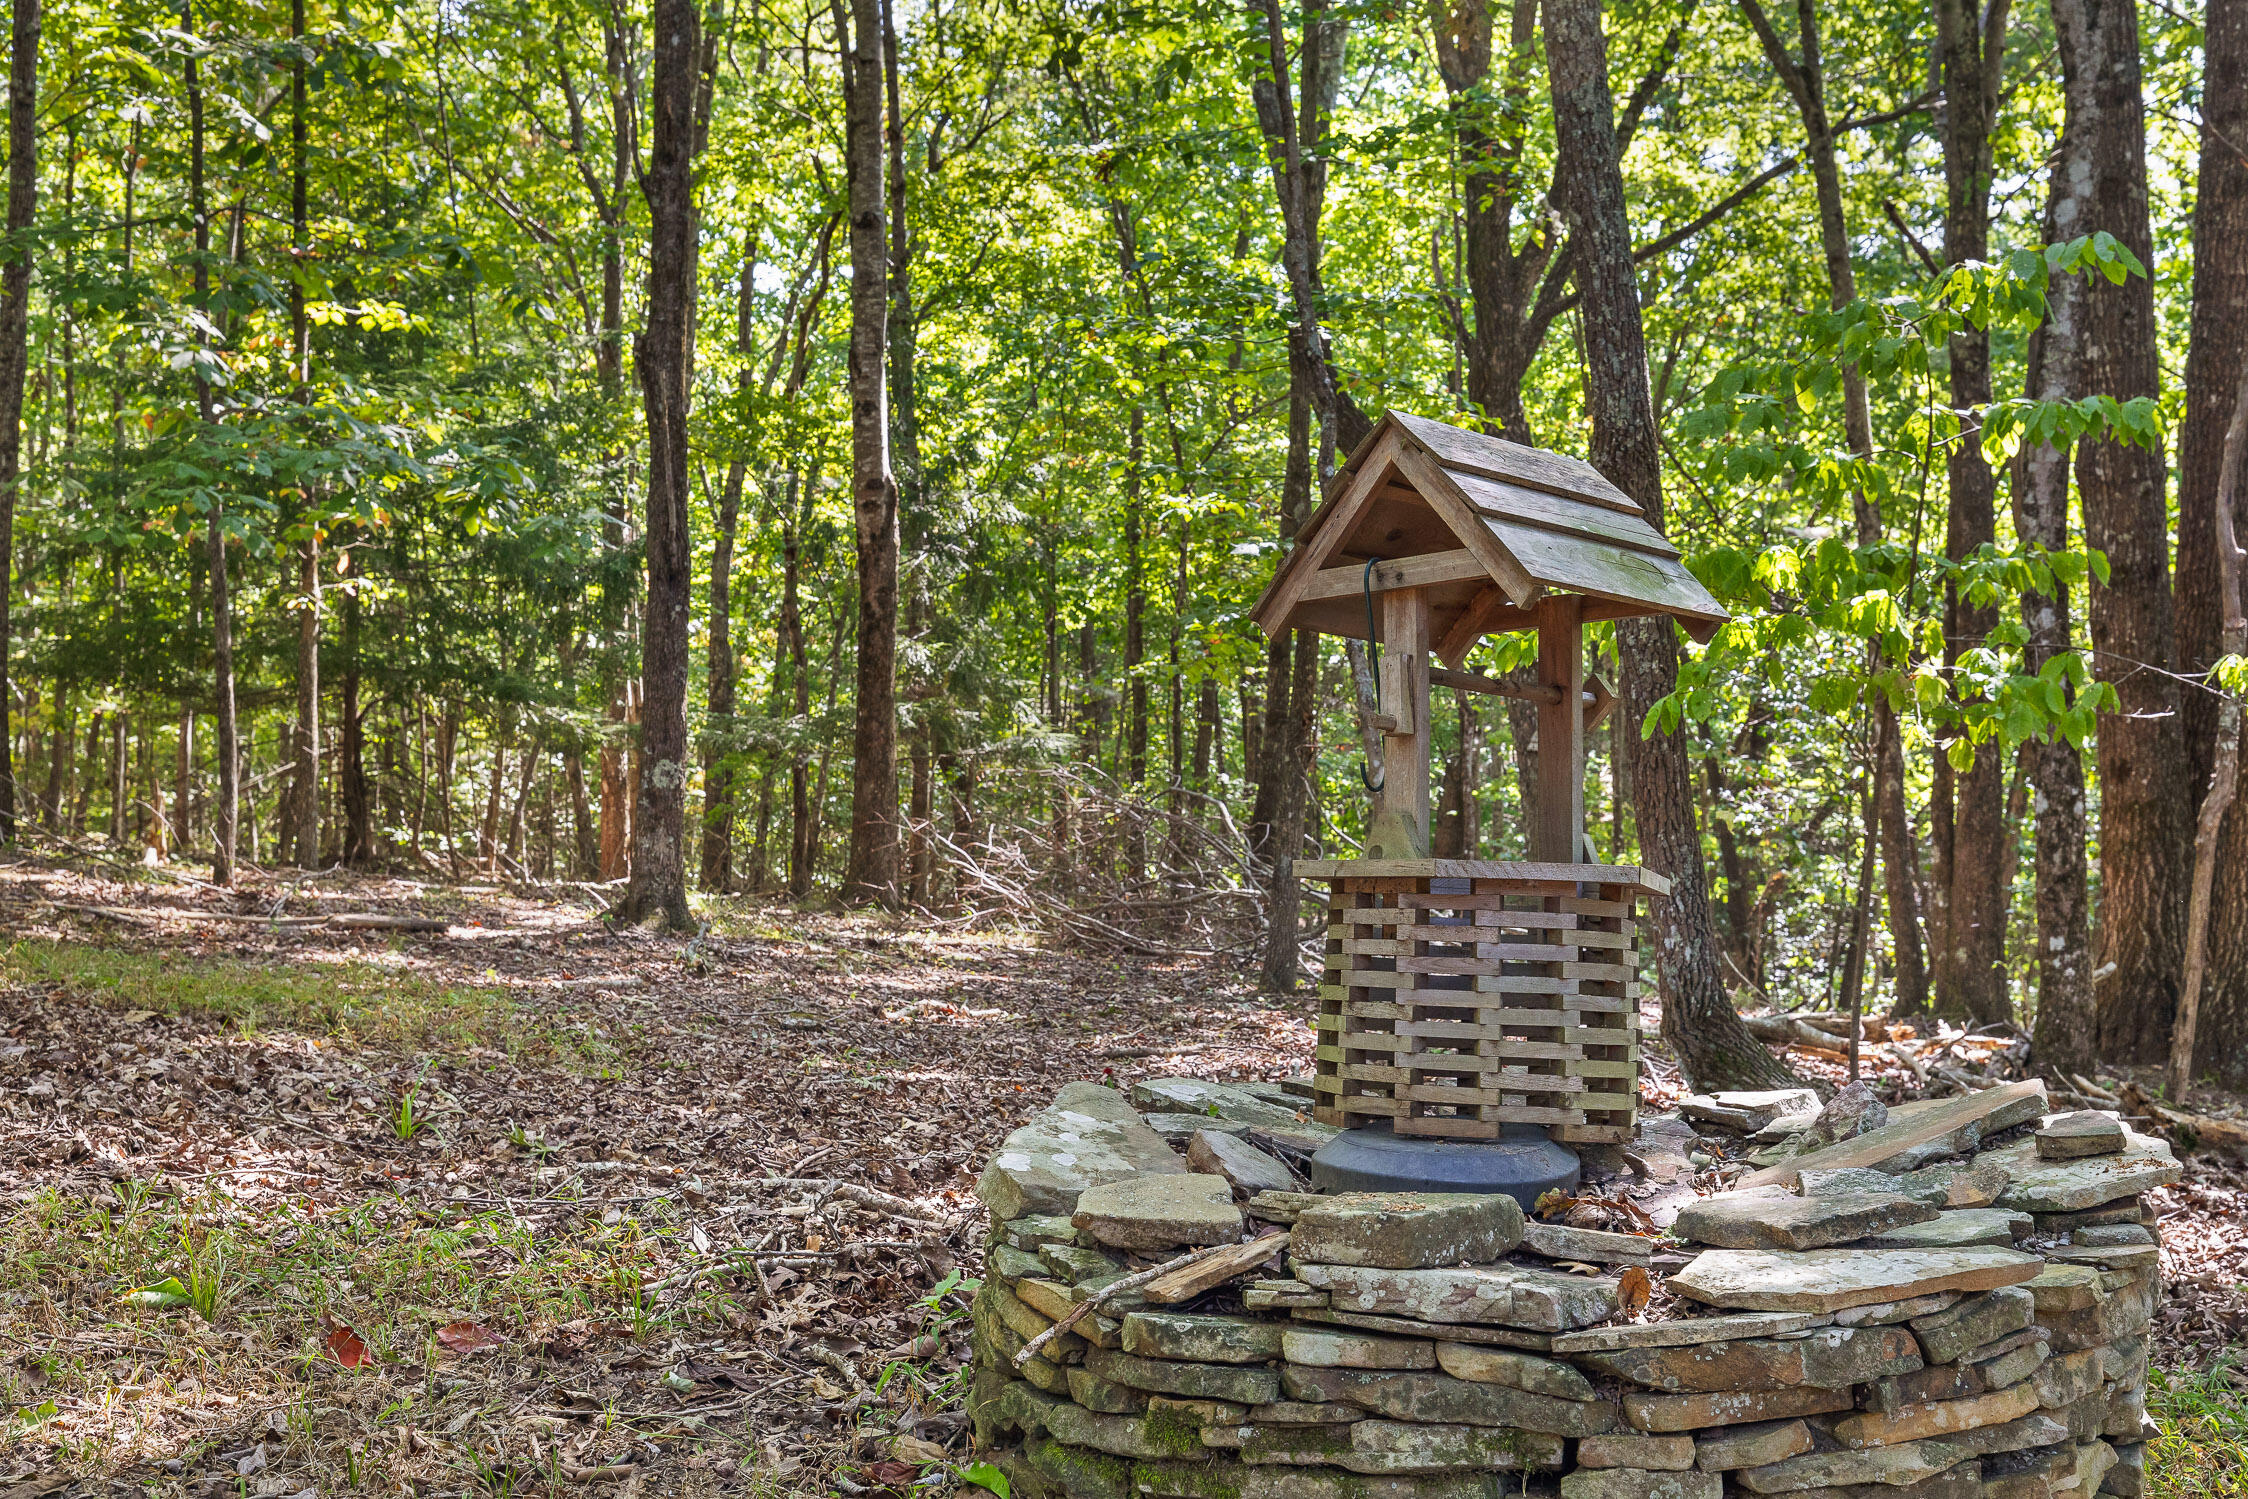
[349,1351]
[167,1292]
[912,1449]
[1632,1289]
[814,1242]
[891,1475]
[467,1337]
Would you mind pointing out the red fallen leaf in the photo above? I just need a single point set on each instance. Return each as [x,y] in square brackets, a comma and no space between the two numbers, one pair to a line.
[891,1475]
[1632,1289]
[467,1337]
[349,1351]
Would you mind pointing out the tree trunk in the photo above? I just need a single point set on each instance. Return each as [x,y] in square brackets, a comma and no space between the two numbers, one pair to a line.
[2065,1018]
[718,773]
[15,348]
[2145,800]
[588,862]
[227,806]
[872,870]
[1970,969]
[2218,352]
[664,355]
[304,787]
[1698,1019]
[58,763]
[358,808]
[791,633]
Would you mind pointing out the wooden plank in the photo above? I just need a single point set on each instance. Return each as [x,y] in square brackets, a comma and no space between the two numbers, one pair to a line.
[1528,870]
[1401,808]
[1478,452]
[1489,612]
[1876,1146]
[1563,513]
[1406,572]
[1557,831]
[1473,529]
[1190,1281]
[1468,681]
[1568,564]
[1320,535]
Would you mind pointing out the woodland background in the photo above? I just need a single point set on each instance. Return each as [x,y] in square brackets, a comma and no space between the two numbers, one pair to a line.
[833,450]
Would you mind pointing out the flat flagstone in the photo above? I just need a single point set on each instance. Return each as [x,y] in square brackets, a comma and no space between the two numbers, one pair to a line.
[1407,1230]
[1165,1211]
[1179,1129]
[1413,1327]
[1762,1221]
[2043,1186]
[1851,1181]
[1882,1313]
[1686,1330]
[1338,1349]
[1557,1241]
[1442,1399]
[1749,1112]
[2066,1288]
[1947,1334]
[1651,1412]
[1202,1339]
[1672,1453]
[1415,1447]
[1829,1280]
[1194,1095]
[1935,1418]
[2080,1133]
[1242,1386]
[1087,1135]
[1539,1300]
[1640,1483]
[1830,1358]
[1914,1125]
[1523,1371]
[1956,1230]
[1217,1153]
[1900,1466]
[1752,1446]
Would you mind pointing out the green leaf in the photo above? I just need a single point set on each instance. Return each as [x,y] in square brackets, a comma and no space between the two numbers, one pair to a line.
[166,1293]
[1961,753]
[985,1476]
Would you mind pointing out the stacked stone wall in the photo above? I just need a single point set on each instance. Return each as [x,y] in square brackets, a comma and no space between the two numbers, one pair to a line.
[1967,1328]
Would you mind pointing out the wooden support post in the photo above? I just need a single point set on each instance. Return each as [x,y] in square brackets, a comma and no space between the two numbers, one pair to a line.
[1558,834]
[1399,829]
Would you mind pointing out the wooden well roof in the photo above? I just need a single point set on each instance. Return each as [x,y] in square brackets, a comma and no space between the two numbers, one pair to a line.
[1486,527]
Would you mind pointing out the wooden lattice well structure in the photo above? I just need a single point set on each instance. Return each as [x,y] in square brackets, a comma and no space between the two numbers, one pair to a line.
[1463,996]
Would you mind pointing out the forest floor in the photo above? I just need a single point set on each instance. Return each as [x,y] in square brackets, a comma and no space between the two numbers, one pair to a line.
[525,1205]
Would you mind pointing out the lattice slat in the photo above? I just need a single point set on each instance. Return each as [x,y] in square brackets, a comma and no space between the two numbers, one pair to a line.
[1454,1004]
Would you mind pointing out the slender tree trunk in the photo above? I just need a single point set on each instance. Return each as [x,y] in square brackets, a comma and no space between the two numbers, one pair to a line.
[872,871]
[1209,731]
[587,863]
[2145,800]
[718,774]
[304,789]
[358,803]
[1135,593]
[2218,352]
[227,806]
[2065,1017]
[1698,1019]
[800,679]
[58,764]
[664,354]
[1970,971]
[15,327]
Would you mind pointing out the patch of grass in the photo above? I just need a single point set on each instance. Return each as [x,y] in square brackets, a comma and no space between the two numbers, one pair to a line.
[356,1002]
[2203,1450]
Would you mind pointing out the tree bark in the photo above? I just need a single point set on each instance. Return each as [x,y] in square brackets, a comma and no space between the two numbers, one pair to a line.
[718,716]
[304,786]
[2145,800]
[664,355]
[871,874]
[1698,1019]
[2065,1018]
[2219,350]
[15,350]
[1970,968]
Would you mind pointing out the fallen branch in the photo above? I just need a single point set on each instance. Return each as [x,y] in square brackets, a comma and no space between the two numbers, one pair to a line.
[1114,1288]
[865,1197]
[2189,1130]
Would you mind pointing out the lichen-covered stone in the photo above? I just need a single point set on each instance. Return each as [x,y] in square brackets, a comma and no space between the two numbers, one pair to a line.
[1752,1446]
[1032,1233]
[1993,1366]
[1885,1313]
[1087,1135]
[2069,1378]
[1075,1263]
[2128,1478]
[1097,1394]
[1900,1466]
[1194,1095]
[1947,1334]
[1079,1472]
[1640,1483]
[2044,1186]
[1202,1339]
[1164,1211]
[1651,1412]
[1441,1398]
[1558,1241]
[1956,1229]
[1242,1386]
[1755,1220]
[1335,1349]
[1278,1482]
[1829,1357]
[1407,1230]
[1935,1418]
[2066,1288]
[1540,1300]
[1305,1413]
[1178,1130]
[1280,1296]
[1637,1449]
[1833,1279]
[1688,1330]
[1416,1447]
[1249,1169]
[2078,1134]
[1178,1408]
[1206,1477]
[2113,1235]
[1008,1265]
[1521,1371]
